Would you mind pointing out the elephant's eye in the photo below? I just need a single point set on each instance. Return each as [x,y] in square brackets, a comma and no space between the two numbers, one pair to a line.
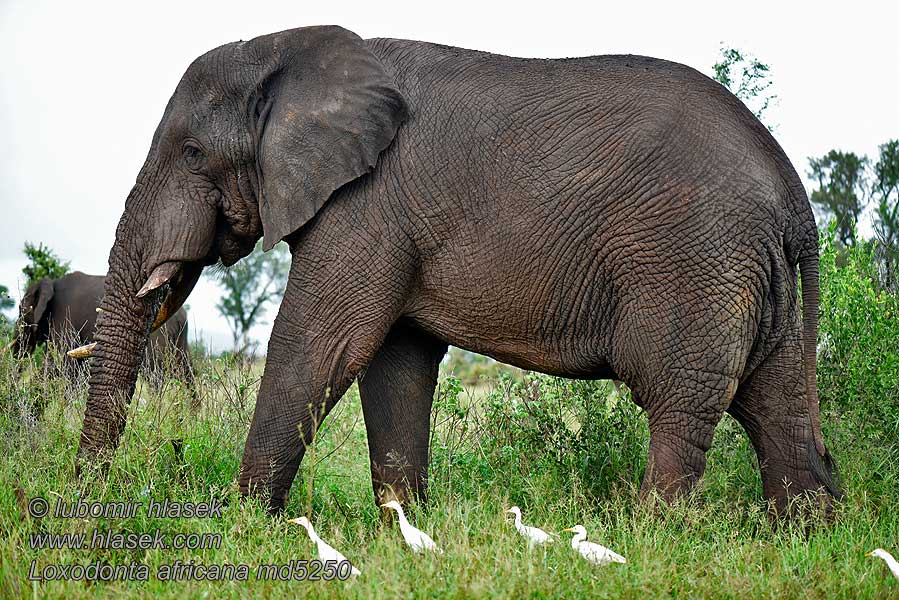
[194,157]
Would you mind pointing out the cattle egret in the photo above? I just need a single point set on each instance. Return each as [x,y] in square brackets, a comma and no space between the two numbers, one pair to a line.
[594,553]
[418,540]
[534,535]
[888,558]
[325,552]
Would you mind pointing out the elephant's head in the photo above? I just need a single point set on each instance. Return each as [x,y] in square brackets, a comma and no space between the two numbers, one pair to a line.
[252,144]
[33,326]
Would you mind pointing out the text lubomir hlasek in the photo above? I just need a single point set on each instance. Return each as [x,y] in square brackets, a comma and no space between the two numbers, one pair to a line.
[164,509]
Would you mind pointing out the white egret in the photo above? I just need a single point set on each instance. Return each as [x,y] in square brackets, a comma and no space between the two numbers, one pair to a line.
[325,551]
[594,553]
[418,540]
[534,535]
[888,558]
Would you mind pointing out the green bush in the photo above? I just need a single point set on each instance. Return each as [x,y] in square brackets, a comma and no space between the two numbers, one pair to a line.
[474,369]
[858,348]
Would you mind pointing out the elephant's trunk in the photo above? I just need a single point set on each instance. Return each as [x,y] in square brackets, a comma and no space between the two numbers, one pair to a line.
[134,303]
[121,336]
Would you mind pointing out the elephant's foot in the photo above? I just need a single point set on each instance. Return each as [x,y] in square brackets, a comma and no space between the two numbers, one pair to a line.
[673,468]
[261,479]
[404,487]
[272,499]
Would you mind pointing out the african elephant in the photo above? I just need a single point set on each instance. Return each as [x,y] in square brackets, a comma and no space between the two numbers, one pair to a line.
[606,217]
[64,311]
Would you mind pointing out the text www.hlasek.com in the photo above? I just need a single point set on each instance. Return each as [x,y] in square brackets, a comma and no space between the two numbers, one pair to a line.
[125,540]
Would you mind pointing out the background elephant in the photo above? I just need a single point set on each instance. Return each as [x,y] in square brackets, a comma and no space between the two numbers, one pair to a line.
[64,311]
[606,217]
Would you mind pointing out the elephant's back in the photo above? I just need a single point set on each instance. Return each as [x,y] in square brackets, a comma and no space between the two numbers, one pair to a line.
[499,85]
[613,138]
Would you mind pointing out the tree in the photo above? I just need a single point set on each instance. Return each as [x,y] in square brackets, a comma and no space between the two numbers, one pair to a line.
[249,286]
[842,190]
[42,262]
[6,301]
[885,189]
[748,79]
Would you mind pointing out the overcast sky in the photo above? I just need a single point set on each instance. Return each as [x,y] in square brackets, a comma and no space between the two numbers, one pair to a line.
[84,85]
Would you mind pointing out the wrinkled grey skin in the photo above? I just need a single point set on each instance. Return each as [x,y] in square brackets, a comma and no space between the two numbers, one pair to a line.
[64,312]
[606,217]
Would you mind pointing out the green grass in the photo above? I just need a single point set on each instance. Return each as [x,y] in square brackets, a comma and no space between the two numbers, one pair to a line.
[566,452]
[719,543]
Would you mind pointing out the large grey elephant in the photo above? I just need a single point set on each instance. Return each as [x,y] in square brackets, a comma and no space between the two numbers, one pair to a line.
[605,217]
[64,311]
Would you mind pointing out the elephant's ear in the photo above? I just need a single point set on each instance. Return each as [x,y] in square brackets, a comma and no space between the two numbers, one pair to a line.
[327,109]
[34,303]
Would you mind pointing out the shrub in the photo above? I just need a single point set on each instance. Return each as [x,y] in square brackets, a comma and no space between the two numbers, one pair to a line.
[858,350]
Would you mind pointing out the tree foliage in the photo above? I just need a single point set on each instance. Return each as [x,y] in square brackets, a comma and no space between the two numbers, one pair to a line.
[6,301]
[842,190]
[42,262]
[846,185]
[885,189]
[249,287]
[748,78]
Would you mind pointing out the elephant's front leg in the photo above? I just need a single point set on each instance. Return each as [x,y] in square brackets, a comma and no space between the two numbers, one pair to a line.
[397,389]
[327,330]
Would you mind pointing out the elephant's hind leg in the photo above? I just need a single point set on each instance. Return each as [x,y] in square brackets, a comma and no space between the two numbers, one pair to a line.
[772,407]
[682,418]
[685,362]
[396,390]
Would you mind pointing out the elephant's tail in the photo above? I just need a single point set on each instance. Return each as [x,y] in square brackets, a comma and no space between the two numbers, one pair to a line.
[808,269]
[822,464]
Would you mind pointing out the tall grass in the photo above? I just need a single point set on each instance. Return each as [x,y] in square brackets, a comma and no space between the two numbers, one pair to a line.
[566,451]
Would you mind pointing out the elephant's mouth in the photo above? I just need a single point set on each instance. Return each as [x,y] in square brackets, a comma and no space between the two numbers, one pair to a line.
[175,280]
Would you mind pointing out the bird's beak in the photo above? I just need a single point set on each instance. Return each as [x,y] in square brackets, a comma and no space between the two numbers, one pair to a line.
[869,553]
[569,529]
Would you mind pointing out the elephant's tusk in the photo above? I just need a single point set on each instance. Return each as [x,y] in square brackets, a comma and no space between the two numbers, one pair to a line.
[187,276]
[82,351]
[8,347]
[88,349]
[160,276]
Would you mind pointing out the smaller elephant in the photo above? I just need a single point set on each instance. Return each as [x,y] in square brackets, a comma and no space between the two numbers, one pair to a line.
[64,311]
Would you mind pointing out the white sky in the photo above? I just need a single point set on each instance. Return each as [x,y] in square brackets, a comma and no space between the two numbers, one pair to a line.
[84,85]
